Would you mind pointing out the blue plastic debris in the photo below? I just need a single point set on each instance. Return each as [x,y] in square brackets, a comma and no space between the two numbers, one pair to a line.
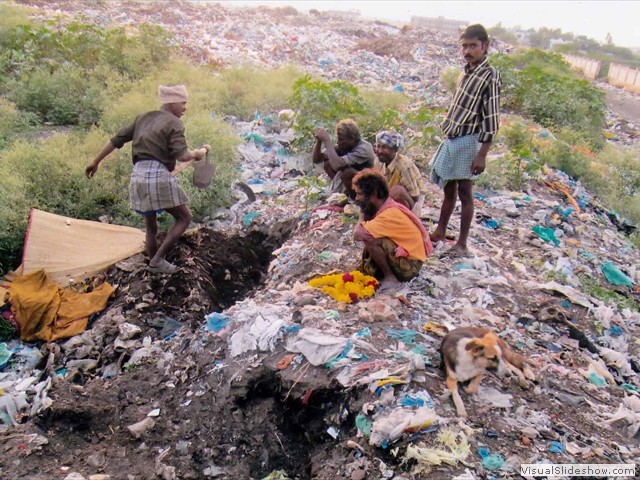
[556,447]
[597,380]
[615,331]
[463,266]
[287,329]
[216,321]
[491,223]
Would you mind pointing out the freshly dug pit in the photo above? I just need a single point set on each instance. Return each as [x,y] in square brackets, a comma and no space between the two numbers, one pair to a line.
[216,270]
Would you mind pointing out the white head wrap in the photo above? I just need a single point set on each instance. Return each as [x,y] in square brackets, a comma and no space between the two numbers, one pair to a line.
[172,94]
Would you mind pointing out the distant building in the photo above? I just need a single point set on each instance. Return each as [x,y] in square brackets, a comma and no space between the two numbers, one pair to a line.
[439,24]
[341,14]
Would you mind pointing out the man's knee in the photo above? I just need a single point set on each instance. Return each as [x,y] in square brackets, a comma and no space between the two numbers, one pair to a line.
[465,191]
[372,243]
[400,195]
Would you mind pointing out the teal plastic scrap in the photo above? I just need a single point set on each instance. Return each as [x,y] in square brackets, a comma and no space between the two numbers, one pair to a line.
[463,266]
[587,255]
[345,353]
[363,424]
[5,355]
[256,137]
[597,380]
[630,387]
[365,332]
[408,337]
[546,234]
[490,461]
[614,276]
[249,218]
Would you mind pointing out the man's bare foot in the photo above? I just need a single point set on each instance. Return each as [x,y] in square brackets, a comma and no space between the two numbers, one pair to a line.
[457,251]
[390,286]
[436,237]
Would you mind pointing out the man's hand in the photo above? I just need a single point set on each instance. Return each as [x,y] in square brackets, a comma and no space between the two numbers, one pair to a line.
[91,170]
[322,135]
[478,165]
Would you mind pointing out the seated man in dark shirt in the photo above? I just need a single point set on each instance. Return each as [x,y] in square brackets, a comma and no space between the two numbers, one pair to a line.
[342,161]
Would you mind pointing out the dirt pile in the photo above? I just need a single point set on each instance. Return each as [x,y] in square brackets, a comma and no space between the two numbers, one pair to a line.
[236,369]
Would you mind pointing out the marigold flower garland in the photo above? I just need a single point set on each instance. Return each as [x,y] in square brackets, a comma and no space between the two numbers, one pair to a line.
[348,287]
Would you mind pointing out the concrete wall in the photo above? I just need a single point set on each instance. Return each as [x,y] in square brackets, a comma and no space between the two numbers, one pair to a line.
[623,76]
[619,75]
[589,68]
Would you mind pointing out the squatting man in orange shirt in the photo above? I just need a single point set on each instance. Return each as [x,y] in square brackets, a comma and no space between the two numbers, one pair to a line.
[395,242]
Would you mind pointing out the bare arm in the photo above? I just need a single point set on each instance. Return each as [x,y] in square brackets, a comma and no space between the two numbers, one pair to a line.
[361,234]
[92,168]
[480,161]
[334,160]
[317,151]
[322,136]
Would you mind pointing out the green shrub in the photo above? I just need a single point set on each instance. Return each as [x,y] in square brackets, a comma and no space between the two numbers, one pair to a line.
[12,122]
[542,86]
[12,16]
[242,91]
[614,176]
[63,97]
[449,78]
[323,104]
[65,73]
[382,111]
[14,215]
[568,158]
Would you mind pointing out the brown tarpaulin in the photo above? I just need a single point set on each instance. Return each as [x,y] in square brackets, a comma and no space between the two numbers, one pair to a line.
[70,250]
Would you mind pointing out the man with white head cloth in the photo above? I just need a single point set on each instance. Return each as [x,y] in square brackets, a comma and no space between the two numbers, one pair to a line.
[158,142]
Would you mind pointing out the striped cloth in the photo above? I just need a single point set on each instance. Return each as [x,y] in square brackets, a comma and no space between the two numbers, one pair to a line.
[476,104]
[152,188]
[453,160]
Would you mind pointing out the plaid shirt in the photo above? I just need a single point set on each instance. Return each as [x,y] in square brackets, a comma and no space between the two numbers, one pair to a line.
[476,104]
[402,171]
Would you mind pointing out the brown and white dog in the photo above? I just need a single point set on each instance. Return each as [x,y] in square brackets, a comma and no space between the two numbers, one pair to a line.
[467,352]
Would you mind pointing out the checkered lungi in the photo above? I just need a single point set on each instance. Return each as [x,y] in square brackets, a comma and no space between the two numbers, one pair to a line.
[403,268]
[152,188]
[453,160]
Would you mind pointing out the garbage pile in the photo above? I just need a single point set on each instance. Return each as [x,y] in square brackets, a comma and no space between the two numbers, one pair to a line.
[361,52]
[238,368]
[352,389]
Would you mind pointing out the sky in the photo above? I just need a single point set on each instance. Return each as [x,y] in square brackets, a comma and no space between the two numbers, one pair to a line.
[593,19]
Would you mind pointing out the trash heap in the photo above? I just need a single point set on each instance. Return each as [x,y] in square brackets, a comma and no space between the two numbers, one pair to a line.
[238,368]
[350,389]
[361,52]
